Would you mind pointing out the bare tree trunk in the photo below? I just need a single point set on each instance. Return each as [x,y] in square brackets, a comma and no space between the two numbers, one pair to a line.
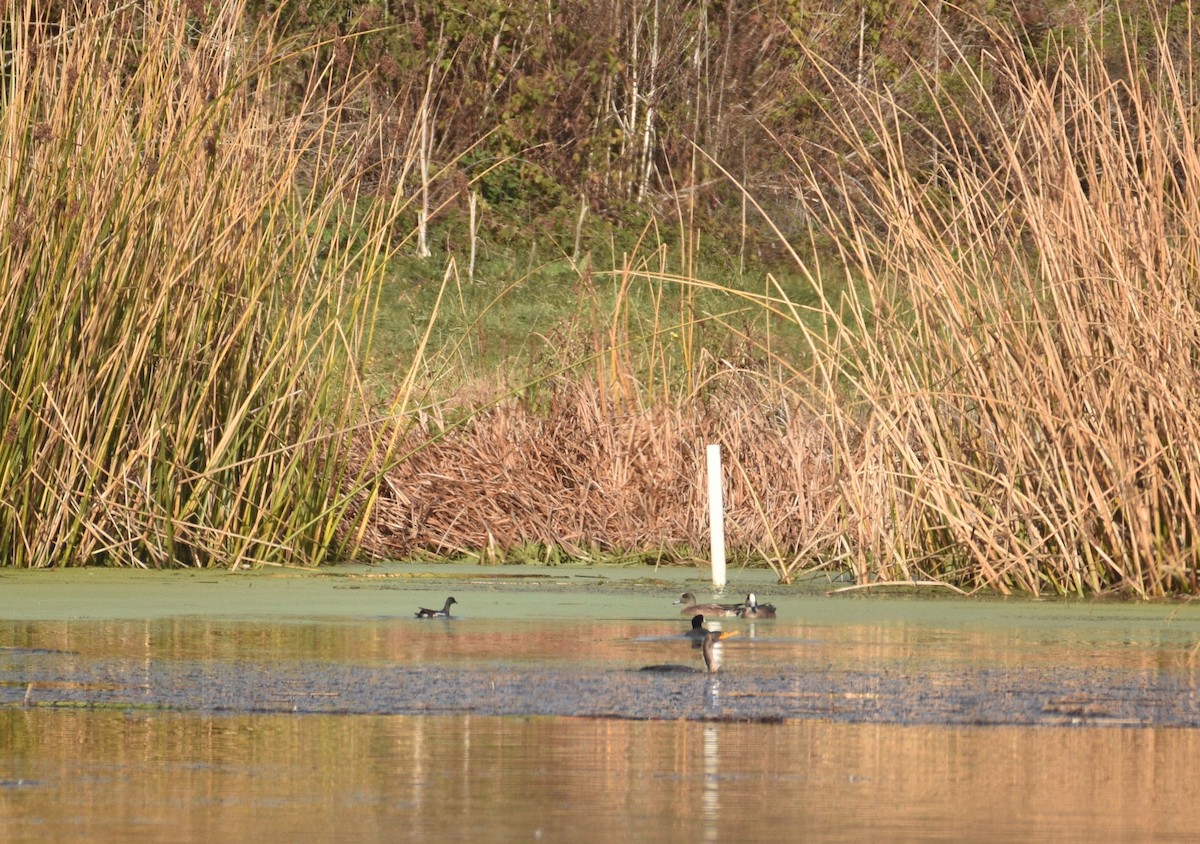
[583,207]
[635,92]
[423,163]
[647,155]
[862,35]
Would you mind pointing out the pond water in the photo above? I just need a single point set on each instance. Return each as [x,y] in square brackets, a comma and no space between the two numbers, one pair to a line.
[191,707]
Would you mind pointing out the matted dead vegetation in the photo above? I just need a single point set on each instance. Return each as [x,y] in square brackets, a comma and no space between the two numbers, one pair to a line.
[581,473]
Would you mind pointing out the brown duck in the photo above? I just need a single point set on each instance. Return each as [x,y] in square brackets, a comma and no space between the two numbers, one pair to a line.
[690,606]
[706,639]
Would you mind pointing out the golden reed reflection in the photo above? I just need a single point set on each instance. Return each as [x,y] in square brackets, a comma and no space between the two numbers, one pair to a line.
[109,775]
[403,641]
[608,644]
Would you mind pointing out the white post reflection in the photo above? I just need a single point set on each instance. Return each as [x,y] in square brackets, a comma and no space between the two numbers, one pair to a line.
[710,801]
[417,763]
[712,694]
[466,744]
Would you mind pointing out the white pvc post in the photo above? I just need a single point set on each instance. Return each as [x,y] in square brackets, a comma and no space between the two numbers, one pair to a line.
[716,516]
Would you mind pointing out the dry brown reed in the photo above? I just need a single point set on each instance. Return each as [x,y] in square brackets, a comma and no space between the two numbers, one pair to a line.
[1018,376]
[584,473]
[1004,399]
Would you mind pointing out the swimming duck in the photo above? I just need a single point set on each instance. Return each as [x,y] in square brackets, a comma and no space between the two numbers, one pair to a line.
[704,638]
[690,606]
[710,658]
[701,637]
[444,612]
[753,609]
[698,631]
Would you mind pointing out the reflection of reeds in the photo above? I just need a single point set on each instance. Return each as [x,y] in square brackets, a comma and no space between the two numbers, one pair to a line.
[179,324]
[880,781]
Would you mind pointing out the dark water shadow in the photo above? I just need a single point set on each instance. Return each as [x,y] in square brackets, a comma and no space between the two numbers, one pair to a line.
[593,668]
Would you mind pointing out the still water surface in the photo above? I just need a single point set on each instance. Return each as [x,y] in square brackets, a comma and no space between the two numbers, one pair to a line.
[859,720]
[111,776]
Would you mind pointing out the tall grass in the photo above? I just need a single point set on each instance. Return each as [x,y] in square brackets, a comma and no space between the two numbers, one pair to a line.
[180,323]
[1004,397]
[1013,397]
[599,454]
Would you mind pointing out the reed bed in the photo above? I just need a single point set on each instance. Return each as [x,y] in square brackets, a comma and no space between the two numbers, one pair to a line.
[588,475]
[1005,398]
[1016,382]
[187,289]
[600,455]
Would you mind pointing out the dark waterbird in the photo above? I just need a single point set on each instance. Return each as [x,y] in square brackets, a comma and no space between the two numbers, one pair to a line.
[690,606]
[753,609]
[698,631]
[703,638]
[706,639]
[444,612]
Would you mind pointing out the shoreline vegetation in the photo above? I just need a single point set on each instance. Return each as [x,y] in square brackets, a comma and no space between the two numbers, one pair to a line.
[288,288]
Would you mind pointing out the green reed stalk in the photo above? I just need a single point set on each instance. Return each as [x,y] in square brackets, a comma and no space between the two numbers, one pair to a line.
[187,274]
